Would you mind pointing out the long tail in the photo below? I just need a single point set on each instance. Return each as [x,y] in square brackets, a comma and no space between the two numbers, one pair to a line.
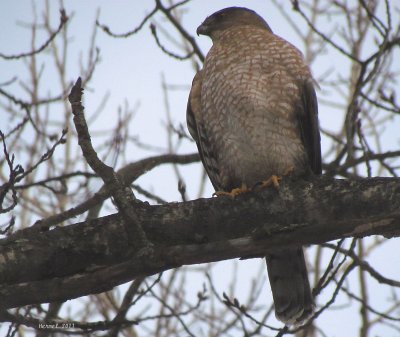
[291,291]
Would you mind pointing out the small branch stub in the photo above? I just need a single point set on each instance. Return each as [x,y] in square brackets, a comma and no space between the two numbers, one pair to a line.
[122,195]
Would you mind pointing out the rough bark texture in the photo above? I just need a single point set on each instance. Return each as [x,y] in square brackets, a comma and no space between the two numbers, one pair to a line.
[96,255]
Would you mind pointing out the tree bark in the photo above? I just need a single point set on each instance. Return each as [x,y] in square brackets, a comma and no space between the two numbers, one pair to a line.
[96,255]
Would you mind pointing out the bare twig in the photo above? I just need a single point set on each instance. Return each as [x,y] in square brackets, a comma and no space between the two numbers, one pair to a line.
[63,21]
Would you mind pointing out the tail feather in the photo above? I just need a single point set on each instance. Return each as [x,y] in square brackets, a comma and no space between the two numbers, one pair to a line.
[290,287]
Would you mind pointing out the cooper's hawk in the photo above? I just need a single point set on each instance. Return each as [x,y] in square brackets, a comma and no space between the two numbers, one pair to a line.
[252,111]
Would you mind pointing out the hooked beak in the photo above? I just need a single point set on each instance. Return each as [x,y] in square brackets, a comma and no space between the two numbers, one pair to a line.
[202,29]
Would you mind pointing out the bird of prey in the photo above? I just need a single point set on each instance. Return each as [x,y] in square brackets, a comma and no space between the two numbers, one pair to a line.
[252,111]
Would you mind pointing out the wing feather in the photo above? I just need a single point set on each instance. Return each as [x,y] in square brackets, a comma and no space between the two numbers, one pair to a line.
[308,120]
[199,134]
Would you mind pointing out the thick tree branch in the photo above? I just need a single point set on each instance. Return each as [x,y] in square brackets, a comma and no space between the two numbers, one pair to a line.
[97,255]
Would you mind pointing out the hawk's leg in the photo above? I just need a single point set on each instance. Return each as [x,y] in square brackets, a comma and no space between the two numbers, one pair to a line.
[275,179]
[234,192]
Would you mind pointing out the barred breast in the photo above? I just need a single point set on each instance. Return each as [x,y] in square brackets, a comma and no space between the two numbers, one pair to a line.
[250,95]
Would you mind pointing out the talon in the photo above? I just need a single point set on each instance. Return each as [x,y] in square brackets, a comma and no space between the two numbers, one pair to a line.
[234,192]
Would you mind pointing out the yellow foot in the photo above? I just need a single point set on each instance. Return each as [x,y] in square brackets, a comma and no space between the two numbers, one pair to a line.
[234,192]
[272,180]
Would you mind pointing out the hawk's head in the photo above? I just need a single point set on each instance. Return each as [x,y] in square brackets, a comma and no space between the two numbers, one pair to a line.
[230,17]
